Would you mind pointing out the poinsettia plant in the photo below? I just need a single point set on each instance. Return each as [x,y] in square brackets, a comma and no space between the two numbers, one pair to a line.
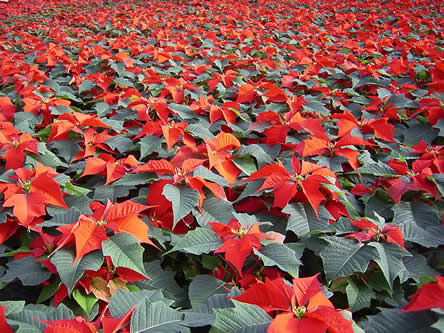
[222,166]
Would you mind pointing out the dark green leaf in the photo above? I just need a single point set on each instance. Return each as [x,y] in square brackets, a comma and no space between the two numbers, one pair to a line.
[359,295]
[163,280]
[281,256]
[68,217]
[26,319]
[376,169]
[26,121]
[417,267]
[243,318]
[199,131]
[148,145]
[86,85]
[391,320]
[198,241]
[207,174]
[204,286]
[132,179]
[247,165]
[415,220]
[69,271]
[390,260]
[103,193]
[182,199]
[125,251]
[27,270]
[155,317]
[12,306]
[220,210]
[184,111]
[303,219]
[121,143]
[122,301]
[67,149]
[86,301]
[343,257]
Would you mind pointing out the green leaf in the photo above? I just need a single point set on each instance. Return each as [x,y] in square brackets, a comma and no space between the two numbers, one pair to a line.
[103,193]
[390,260]
[27,270]
[66,149]
[46,157]
[198,241]
[439,325]
[26,121]
[165,281]
[70,272]
[417,222]
[281,256]
[199,131]
[12,306]
[438,179]
[383,93]
[217,301]
[316,107]
[79,202]
[303,219]
[26,319]
[417,267]
[122,82]
[243,318]
[121,143]
[376,169]
[75,190]
[148,145]
[391,320]
[67,217]
[204,286]
[48,291]
[122,301]
[184,111]
[207,174]
[359,295]
[125,251]
[183,200]
[246,164]
[66,92]
[219,210]
[116,125]
[133,179]
[102,109]
[86,85]
[370,80]
[343,257]
[418,131]
[197,319]
[86,301]
[261,153]
[155,317]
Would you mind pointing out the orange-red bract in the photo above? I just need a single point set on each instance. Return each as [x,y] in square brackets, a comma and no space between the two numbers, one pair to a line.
[239,242]
[429,296]
[301,307]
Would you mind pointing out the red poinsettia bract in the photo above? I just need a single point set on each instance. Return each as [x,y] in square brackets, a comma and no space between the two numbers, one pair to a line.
[301,307]
[35,189]
[89,231]
[429,296]
[307,177]
[368,230]
[238,241]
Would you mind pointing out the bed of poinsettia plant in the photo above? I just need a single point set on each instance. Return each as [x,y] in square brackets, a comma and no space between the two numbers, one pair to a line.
[221,166]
